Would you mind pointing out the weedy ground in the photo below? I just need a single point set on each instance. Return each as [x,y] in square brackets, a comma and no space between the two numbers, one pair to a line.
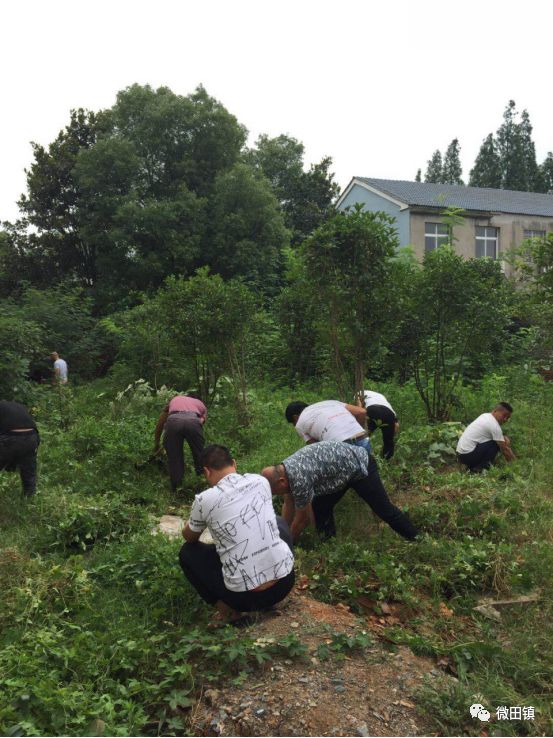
[98,625]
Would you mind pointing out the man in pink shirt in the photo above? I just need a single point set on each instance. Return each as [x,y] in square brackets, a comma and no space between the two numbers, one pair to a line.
[181,420]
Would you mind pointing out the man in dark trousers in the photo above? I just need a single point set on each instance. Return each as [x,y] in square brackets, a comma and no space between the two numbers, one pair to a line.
[483,439]
[250,565]
[380,414]
[19,441]
[182,420]
[317,476]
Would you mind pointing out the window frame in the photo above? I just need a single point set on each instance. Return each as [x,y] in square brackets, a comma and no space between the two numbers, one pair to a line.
[486,239]
[438,238]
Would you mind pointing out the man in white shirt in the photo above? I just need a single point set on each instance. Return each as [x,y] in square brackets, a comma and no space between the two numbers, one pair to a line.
[483,439]
[380,414]
[60,368]
[250,565]
[329,420]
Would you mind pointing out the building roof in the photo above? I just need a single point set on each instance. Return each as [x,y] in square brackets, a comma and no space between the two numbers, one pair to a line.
[426,194]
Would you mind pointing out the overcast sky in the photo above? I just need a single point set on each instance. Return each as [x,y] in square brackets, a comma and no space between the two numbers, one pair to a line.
[377,86]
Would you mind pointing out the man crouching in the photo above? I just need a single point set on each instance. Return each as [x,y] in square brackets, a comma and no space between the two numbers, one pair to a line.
[250,565]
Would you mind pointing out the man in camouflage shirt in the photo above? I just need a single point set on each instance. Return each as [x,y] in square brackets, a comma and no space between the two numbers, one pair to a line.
[317,476]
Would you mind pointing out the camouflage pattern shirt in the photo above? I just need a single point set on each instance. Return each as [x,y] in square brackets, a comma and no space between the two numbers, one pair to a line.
[323,468]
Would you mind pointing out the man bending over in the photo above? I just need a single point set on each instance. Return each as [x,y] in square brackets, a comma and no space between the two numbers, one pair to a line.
[250,566]
[329,420]
[483,439]
[316,477]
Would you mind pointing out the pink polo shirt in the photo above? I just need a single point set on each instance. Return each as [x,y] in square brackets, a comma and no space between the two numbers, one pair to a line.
[182,404]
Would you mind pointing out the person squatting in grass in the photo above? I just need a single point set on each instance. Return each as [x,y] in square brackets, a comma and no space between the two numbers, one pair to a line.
[250,565]
[315,478]
[380,414]
[329,420]
[182,419]
[483,439]
[19,442]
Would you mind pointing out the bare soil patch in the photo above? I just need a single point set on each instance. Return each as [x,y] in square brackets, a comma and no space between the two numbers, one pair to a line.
[359,693]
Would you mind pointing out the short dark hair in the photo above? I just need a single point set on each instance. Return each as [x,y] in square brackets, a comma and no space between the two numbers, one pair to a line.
[194,395]
[294,408]
[216,457]
[504,406]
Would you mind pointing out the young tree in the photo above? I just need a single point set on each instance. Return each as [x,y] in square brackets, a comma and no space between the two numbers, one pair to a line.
[452,170]
[348,259]
[487,167]
[434,170]
[418,177]
[458,311]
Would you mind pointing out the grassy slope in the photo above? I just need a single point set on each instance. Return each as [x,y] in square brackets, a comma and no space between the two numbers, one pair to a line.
[98,623]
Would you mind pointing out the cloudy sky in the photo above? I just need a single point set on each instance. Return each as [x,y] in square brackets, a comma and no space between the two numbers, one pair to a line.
[376,86]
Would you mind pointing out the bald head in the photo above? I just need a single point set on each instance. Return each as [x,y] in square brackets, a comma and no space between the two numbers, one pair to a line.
[277,478]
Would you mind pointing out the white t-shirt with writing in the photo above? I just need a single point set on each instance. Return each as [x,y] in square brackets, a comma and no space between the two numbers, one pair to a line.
[61,366]
[241,520]
[329,420]
[375,398]
[484,428]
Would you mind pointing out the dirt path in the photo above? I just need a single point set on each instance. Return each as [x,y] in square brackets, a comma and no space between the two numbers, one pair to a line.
[370,693]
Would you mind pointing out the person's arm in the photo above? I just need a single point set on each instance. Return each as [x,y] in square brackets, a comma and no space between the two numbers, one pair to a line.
[302,518]
[159,427]
[203,414]
[288,508]
[189,535]
[506,450]
[359,413]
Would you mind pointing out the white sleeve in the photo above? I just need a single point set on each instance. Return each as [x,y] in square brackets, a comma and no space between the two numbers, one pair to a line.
[495,430]
[305,436]
[196,521]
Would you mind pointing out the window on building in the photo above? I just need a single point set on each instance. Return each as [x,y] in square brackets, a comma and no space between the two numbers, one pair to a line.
[435,234]
[486,242]
[534,234]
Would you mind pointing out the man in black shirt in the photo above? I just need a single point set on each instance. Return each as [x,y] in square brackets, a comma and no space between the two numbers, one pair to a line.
[18,443]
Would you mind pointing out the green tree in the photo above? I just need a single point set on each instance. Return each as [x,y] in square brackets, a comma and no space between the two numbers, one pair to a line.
[512,151]
[434,169]
[452,170]
[458,313]
[487,166]
[529,152]
[214,316]
[305,197]
[348,259]
[246,229]
[546,174]
[21,343]
[418,177]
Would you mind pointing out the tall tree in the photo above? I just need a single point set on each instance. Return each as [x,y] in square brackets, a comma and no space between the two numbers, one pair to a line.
[487,167]
[418,177]
[305,197]
[512,152]
[434,169]
[452,170]
[529,153]
[546,173]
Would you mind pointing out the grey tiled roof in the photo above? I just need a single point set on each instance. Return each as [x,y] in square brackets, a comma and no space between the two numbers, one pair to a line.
[425,194]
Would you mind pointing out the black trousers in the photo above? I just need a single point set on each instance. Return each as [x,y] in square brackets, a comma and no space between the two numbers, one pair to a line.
[202,567]
[18,451]
[380,416]
[181,427]
[481,457]
[371,490]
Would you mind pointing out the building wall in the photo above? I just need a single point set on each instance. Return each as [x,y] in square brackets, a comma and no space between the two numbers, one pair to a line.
[511,231]
[373,202]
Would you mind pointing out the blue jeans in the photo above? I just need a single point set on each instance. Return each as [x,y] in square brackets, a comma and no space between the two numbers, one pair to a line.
[364,443]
